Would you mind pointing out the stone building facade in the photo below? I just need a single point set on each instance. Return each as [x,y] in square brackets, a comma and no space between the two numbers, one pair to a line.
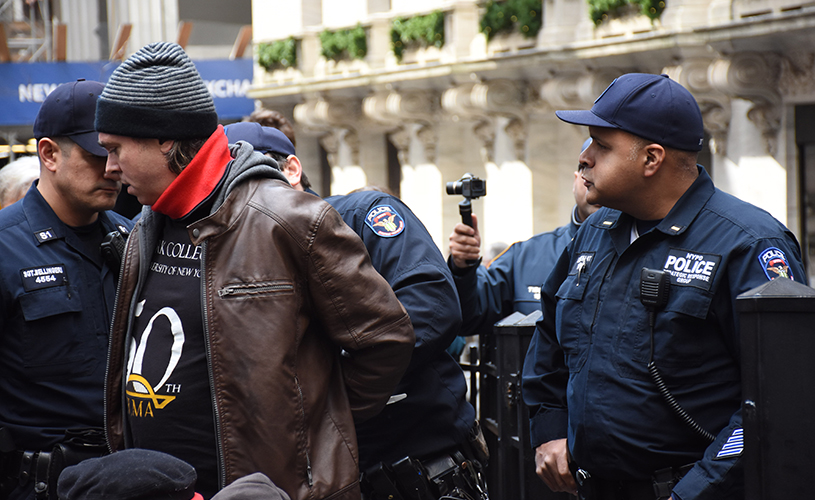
[486,107]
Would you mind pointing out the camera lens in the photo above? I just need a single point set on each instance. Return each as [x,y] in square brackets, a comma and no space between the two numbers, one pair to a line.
[454,187]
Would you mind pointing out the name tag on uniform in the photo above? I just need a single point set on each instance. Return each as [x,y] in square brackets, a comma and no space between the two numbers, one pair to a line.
[689,268]
[582,263]
[36,278]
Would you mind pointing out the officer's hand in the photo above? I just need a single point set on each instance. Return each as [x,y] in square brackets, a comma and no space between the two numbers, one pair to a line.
[465,243]
[552,465]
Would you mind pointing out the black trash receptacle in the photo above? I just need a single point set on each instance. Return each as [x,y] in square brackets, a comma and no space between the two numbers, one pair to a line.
[777,322]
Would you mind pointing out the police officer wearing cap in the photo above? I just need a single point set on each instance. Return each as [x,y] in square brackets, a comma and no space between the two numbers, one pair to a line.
[56,295]
[512,280]
[633,375]
[428,419]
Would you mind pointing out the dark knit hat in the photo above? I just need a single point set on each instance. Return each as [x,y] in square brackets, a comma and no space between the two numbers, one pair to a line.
[157,93]
[134,474]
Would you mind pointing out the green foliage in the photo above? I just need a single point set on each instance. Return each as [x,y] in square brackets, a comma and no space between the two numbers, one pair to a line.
[524,16]
[420,30]
[278,54]
[344,44]
[599,10]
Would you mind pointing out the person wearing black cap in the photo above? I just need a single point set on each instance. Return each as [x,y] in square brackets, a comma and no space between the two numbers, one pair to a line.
[275,119]
[512,280]
[632,377]
[135,474]
[251,330]
[428,419]
[139,474]
[273,143]
[56,293]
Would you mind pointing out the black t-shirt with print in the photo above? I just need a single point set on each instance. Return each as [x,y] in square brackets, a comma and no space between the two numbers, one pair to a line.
[169,402]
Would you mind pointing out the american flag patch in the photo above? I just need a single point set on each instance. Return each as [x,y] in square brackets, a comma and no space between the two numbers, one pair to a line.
[734,445]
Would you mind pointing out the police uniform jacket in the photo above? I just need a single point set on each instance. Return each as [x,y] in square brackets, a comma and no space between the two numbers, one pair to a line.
[430,412]
[285,286]
[585,376]
[54,323]
[511,282]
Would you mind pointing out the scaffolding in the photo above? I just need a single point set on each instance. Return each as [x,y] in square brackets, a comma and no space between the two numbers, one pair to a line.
[25,31]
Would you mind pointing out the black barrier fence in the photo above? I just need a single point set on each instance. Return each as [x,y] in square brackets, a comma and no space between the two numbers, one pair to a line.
[777,323]
[495,389]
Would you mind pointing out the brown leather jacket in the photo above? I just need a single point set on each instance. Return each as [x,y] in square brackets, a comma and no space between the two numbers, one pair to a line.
[286,286]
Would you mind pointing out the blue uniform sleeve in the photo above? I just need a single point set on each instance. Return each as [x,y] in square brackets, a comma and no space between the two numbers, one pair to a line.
[486,294]
[719,474]
[413,265]
[430,299]
[545,374]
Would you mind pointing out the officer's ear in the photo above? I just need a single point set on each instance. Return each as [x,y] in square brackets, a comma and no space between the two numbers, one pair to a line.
[49,152]
[654,157]
[293,171]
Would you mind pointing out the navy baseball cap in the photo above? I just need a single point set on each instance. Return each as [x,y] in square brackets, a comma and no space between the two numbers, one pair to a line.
[69,111]
[263,139]
[653,107]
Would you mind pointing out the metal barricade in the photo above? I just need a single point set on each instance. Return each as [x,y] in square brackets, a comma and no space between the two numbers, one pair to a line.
[496,393]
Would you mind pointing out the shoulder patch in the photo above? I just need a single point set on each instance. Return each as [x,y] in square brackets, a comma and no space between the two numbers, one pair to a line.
[775,264]
[384,221]
[734,445]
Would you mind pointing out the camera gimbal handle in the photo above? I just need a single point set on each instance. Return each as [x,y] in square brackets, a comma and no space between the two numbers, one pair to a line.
[465,208]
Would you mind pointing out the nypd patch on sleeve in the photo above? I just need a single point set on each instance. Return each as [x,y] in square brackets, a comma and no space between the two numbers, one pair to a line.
[734,445]
[775,264]
[384,221]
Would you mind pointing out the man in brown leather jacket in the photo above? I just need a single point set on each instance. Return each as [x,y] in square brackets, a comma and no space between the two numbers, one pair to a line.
[250,329]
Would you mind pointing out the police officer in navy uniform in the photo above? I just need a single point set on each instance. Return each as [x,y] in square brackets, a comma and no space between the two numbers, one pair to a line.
[645,295]
[428,419]
[57,292]
[512,280]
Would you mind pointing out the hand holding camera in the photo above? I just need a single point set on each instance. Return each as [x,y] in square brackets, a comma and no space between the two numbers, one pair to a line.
[465,241]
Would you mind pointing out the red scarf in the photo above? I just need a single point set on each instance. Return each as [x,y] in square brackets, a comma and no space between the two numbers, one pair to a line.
[198,179]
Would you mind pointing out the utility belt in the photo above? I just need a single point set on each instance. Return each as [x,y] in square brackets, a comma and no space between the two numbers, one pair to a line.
[41,469]
[658,488]
[454,474]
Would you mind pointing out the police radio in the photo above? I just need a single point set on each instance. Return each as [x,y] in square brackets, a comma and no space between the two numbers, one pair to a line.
[655,286]
[113,248]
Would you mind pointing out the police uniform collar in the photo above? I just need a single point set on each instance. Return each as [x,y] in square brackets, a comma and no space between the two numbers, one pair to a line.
[575,220]
[678,219]
[689,205]
[41,218]
[606,218]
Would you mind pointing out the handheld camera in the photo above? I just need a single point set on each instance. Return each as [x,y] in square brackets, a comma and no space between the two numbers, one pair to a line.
[470,187]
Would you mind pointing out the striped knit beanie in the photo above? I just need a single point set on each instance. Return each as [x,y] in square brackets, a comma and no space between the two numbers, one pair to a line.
[157,93]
